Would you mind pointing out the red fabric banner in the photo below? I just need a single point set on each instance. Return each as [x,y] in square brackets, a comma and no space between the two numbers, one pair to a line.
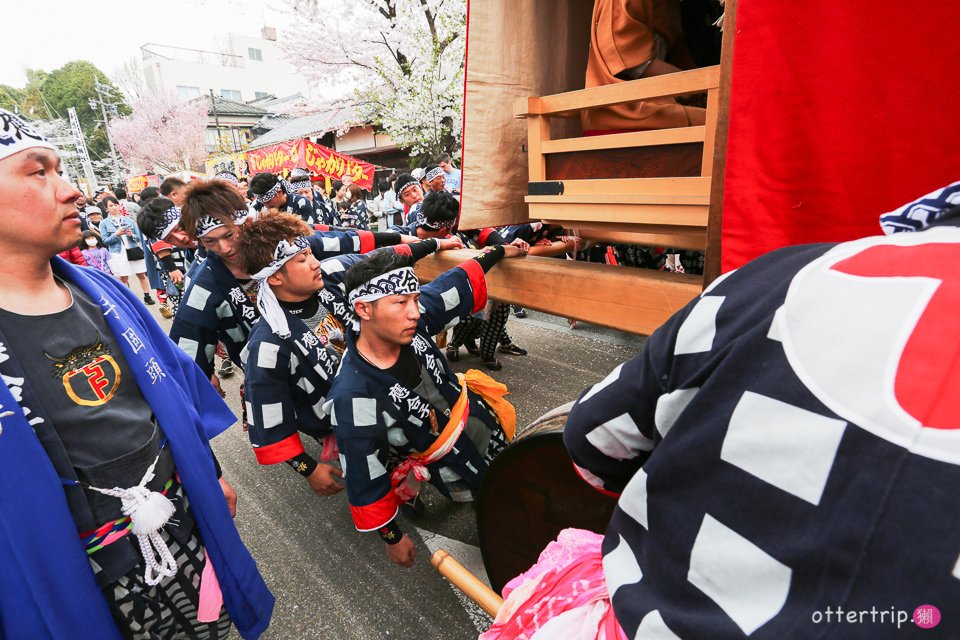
[839,112]
[330,163]
[305,154]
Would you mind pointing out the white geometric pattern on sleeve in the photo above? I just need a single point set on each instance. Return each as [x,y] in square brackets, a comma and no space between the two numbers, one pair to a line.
[331,245]
[620,567]
[697,332]
[451,299]
[670,406]
[633,500]
[374,467]
[619,438]
[791,448]
[364,412]
[652,627]
[198,298]
[743,579]
[267,355]
[189,347]
[272,414]
[612,377]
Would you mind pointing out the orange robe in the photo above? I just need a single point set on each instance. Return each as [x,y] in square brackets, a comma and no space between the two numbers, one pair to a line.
[622,38]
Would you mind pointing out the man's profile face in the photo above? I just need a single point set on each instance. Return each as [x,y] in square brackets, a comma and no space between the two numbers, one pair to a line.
[39,205]
[276,201]
[393,319]
[438,183]
[445,166]
[300,276]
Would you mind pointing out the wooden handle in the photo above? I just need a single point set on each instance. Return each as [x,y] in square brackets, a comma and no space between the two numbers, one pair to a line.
[449,568]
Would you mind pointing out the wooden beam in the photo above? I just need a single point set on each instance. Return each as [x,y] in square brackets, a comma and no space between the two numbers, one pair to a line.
[713,107]
[670,84]
[683,215]
[538,131]
[627,140]
[624,298]
[619,199]
[695,186]
[711,266]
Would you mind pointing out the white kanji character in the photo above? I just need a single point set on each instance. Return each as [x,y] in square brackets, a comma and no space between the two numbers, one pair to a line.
[419,345]
[153,368]
[248,312]
[108,307]
[397,393]
[237,296]
[310,340]
[133,340]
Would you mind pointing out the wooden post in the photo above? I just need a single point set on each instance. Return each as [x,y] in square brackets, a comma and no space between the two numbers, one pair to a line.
[462,579]
[538,131]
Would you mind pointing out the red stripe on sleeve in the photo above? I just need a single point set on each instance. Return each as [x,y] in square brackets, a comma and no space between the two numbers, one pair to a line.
[321,227]
[279,451]
[373,516]
[367,242]
[402,250]
[484,234]
[478,283]
[580,473]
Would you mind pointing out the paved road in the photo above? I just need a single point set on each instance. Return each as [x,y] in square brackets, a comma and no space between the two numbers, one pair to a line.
[331,581]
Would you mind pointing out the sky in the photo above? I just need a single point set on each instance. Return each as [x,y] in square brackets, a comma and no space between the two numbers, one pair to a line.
[110,32]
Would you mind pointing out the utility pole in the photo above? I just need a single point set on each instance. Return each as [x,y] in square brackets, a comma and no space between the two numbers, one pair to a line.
[105,99]
[216,120]
[82,150]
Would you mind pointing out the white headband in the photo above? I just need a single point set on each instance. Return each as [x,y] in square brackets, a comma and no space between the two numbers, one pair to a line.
[267,302]
[268,196]
[206,224]
[397,282]
[16,135]
[434,173]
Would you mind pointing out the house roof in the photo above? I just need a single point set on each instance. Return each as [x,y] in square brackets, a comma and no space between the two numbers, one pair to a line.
[305,126]
[230,108]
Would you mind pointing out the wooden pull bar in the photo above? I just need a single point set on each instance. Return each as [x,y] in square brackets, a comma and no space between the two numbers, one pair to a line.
[462,579]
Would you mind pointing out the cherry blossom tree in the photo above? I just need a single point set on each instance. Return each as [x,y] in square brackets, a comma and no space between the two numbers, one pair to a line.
[403,61]
[162,134]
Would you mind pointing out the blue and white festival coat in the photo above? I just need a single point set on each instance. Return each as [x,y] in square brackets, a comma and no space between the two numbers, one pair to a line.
[373,415]
[787,444]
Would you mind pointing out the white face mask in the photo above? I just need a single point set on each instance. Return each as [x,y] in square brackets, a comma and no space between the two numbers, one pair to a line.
[91,242]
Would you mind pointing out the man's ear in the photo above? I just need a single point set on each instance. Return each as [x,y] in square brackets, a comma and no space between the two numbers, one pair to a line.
[275,280]
[363,309]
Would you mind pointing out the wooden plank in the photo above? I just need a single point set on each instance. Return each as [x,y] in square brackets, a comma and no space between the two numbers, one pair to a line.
[692,187]
[579,290]
[713,108]
[711,266]
[619,199]
[627,140]
[538,130]
[671,84]
[665,161]
[682,215]
[693,238]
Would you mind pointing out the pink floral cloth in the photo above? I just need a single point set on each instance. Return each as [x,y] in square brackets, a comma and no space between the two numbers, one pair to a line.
[562,597]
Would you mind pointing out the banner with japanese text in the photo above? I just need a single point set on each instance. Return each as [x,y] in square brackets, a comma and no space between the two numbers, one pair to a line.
[308,155]
[332,164]
[235,163]
[135,184]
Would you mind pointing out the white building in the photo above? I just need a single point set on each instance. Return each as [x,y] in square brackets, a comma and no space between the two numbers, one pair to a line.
[246,69]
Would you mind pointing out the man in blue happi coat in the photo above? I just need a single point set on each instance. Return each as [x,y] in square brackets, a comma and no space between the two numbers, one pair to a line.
[113,523]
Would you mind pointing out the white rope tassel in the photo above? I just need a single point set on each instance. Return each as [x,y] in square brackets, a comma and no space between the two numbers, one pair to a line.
[148,511]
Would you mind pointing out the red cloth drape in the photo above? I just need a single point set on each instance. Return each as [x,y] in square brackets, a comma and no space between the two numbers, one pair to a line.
[839,111]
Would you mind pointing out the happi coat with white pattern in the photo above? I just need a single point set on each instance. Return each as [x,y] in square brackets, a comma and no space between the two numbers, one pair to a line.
[287,379]
[374,415]
[788,443]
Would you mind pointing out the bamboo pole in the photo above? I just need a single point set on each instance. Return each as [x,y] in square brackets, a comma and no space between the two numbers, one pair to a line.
[469,584]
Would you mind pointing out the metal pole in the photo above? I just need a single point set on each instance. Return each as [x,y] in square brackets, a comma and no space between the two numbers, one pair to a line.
[103,109]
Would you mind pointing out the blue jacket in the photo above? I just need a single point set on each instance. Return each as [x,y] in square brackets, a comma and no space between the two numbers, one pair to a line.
[115,243]
[47,587]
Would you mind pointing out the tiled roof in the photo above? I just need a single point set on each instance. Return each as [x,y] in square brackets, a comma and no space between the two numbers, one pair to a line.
[230,108]
[313,125]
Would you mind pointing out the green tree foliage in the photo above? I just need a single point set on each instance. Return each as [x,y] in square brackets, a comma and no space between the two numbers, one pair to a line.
[72,85]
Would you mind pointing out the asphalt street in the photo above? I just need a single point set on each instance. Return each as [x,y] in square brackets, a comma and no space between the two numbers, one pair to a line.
[331,581]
